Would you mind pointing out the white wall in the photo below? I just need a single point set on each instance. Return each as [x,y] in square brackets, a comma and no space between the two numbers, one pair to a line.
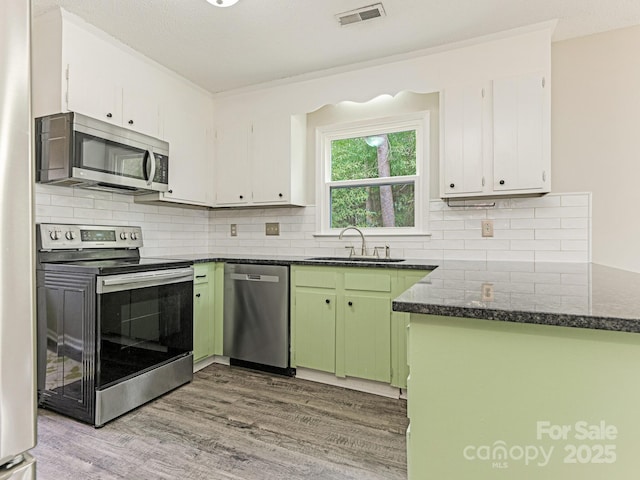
[596,136]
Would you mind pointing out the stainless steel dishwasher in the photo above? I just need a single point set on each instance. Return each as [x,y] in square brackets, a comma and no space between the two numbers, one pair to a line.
[256,315]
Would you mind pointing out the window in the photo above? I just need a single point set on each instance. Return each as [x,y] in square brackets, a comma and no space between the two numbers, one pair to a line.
[373,175]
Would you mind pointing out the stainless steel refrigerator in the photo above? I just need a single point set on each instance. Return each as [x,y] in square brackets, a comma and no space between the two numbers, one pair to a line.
[17,324]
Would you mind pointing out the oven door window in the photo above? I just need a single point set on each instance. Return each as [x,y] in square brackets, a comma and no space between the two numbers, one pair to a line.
[143,328]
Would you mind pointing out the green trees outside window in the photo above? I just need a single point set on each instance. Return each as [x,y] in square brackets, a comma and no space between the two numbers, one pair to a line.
[389,202]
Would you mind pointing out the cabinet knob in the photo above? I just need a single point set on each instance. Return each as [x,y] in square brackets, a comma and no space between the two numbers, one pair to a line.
[451,185]
[130,122]
[280,195]
[241,197]
[350,304]
[327,301]
[198,295]
[169,191]
[501,182]
[109,115]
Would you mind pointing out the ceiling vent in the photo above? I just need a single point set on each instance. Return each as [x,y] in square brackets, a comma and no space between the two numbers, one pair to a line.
[361,14]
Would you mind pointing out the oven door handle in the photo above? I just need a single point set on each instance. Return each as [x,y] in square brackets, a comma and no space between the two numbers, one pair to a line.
[130,281]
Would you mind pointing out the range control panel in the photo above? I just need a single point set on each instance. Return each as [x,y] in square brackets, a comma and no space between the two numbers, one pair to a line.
[55,236]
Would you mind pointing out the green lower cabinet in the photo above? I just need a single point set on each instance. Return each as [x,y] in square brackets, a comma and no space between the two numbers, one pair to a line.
[499,400]
[367,337]
[202,324]
[315,332]
[206,309]
[342,323]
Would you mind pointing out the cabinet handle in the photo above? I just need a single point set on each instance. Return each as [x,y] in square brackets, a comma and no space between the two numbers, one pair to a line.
[201,276]
[451,185]
[501,182]
[327,301]
[350,304]
[198,295]
[109,115]
[130,122]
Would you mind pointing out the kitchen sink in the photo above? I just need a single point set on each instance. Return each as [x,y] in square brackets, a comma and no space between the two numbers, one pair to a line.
[358,259]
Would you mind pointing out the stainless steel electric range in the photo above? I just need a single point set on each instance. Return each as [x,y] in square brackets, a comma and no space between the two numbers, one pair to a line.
[114,330]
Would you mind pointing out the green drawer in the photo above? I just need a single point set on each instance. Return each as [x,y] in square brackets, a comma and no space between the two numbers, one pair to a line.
[321,278]
[201,273]
[367,281]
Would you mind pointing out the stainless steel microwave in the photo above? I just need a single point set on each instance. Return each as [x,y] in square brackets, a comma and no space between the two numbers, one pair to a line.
[79,151]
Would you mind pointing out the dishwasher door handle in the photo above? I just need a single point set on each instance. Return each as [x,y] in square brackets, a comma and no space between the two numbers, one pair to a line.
[252,277]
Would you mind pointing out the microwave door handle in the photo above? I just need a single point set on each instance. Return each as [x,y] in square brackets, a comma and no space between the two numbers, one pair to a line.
[152,173]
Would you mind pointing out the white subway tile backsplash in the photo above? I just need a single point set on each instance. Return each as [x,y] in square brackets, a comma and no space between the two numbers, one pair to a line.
[564,233]
[522,223]
[54,211]
[562,212]
[550,245]
[575,200]
[575,245]
[511,256]
[67,201]
[574,223]
[111,205]
[552,228]
[563,256]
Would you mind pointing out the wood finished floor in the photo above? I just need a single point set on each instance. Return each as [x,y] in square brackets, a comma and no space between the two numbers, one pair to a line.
[233,423]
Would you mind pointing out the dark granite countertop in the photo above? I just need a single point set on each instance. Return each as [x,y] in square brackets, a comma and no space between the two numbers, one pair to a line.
[578,295]
[405,264]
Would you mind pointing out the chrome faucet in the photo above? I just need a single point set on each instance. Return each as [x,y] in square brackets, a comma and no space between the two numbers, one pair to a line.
[363,251]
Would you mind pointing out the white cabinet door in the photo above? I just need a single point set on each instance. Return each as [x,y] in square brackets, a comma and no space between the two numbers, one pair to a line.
[269,159]
[94,93]
[518,133]
[187,128]
[140,109]
[462,122]
[232,173]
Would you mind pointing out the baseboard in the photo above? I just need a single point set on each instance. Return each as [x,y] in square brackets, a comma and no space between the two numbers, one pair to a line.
[205,362]
[368,386]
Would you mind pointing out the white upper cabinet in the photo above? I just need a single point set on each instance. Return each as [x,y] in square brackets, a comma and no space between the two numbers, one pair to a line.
[232,172]
[495,138]
[462,165]
[76,71]
[261,162]
[520,142]
[188,122]
[78,68]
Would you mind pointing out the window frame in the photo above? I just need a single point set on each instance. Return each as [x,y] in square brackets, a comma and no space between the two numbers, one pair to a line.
[420,122]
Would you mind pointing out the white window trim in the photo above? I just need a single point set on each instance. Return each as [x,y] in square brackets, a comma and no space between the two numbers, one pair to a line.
[420,122]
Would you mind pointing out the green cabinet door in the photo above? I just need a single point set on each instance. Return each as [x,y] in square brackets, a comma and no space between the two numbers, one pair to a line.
[204,310]
[202,325]
[367,336]
[315,330]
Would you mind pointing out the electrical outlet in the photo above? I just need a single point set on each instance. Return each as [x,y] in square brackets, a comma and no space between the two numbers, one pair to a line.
[272,228]
[234,230]
[487,228]
[487,292]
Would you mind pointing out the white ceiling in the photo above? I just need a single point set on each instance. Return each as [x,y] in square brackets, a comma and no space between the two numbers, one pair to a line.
[257,41]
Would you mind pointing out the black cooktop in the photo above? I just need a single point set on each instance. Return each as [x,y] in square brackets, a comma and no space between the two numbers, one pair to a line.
[113,266]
